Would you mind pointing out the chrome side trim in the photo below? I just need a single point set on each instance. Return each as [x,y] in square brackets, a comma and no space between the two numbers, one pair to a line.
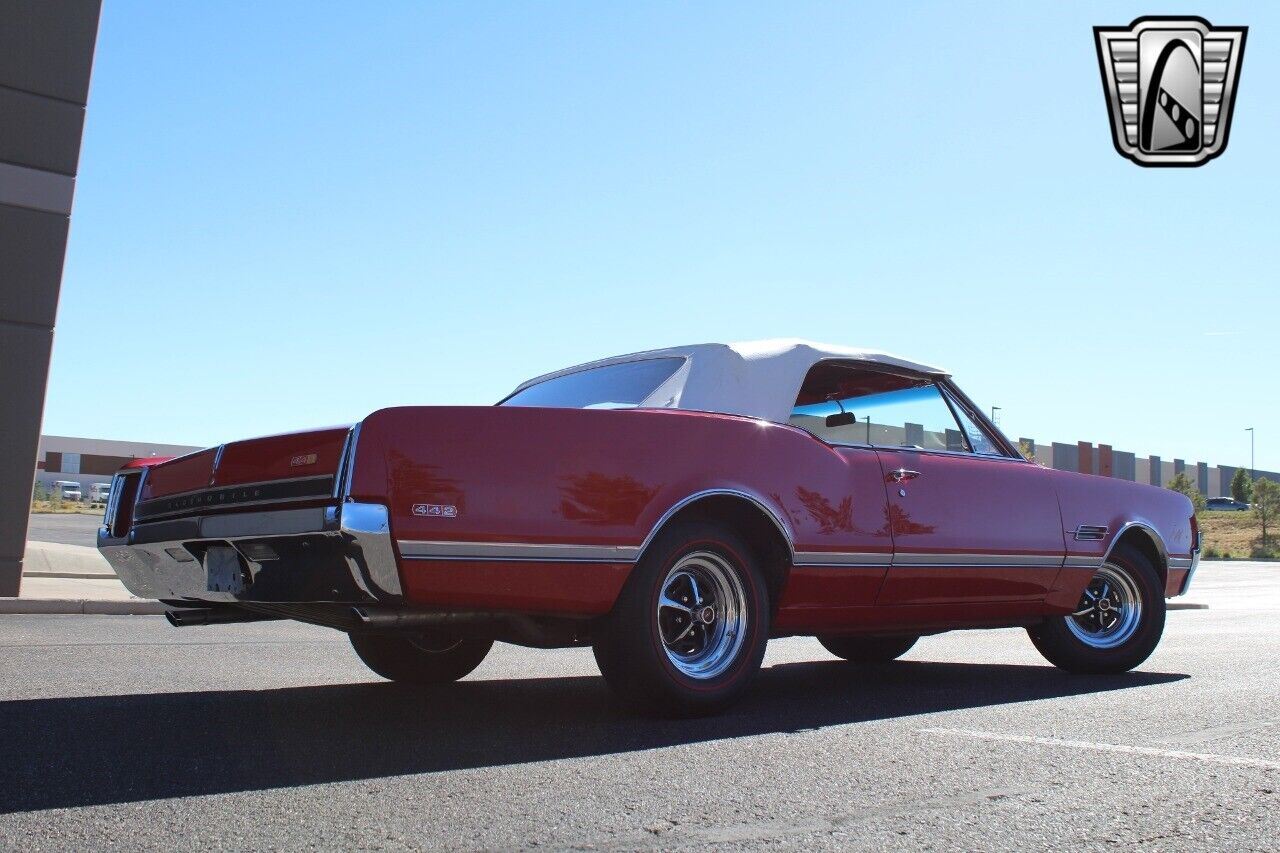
[1181,562]
[217,460]
[978,560]
[416,549]
[346,464]
[1083,563]
[113,500]
[413,549]
[256,484]
[929,451]
[706,493]
[1148,529]
[840,559]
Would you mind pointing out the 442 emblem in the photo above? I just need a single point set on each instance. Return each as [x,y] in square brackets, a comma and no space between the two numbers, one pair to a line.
[438,510]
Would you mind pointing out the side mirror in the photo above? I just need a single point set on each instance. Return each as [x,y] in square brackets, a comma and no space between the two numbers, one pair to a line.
[841,419]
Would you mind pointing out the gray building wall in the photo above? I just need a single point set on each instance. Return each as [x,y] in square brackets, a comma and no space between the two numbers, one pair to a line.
[1066,457]
[1225,473]
[46,53]
[1126,465]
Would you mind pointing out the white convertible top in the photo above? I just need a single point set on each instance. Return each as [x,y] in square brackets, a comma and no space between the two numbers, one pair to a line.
[759,379]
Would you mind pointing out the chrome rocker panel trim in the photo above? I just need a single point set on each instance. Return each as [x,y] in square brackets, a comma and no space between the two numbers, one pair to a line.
[462,551]
[341,554]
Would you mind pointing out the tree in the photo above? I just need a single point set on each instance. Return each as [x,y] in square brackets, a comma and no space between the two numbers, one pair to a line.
[1242,486]
[1266,504]
[1182,483]
[1028,450]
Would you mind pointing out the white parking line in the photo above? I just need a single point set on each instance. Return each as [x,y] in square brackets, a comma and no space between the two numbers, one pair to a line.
[1210,758]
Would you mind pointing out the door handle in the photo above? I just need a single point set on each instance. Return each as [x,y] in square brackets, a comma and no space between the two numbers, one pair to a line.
[903,474]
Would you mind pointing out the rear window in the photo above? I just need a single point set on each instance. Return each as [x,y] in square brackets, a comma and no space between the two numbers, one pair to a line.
[614,386]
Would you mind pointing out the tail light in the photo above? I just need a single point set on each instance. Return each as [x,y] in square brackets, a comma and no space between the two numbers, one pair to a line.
[124,494]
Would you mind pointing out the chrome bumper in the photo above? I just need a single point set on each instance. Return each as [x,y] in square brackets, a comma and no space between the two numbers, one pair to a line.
[338,554]
[1191,570]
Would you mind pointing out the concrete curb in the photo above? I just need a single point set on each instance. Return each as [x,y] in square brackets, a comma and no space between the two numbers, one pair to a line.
[85,576]
[81,607]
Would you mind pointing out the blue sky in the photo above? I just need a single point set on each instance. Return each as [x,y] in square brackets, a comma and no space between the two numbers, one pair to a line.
[290,215]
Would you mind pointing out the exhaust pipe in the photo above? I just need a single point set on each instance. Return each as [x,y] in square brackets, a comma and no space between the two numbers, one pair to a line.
[186,617]
[518,628]
[399,618]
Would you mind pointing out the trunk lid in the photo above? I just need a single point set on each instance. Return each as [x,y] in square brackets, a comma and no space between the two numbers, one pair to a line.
[300,466]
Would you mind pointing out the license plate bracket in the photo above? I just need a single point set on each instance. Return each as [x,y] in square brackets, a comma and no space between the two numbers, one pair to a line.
[224,569]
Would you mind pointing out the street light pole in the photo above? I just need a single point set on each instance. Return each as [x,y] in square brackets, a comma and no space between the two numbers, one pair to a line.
[994,409]
[1252,473]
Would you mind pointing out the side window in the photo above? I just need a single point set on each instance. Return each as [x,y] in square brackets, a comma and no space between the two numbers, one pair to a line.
[978,439]
[844,404]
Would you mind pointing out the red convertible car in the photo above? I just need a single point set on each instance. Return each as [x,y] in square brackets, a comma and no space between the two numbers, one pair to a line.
[673,509]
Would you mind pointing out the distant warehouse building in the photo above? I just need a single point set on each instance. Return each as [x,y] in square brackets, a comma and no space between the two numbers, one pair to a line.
[61,458]
[1105,461]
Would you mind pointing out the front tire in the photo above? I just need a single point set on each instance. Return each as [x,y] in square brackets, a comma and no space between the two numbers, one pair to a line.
[689,629]
[868,650]
[424,657]
[1117,623]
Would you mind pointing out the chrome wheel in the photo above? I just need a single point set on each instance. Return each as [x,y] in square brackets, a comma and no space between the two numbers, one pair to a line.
[1110,610]
[702,615]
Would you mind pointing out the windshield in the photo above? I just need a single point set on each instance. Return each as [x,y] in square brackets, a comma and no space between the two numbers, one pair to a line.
[614,386]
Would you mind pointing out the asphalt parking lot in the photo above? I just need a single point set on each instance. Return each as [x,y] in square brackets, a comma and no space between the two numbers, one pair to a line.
[122,731]
[65,528]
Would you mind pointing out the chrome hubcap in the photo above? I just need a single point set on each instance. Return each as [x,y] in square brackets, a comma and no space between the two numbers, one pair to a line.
[702,615]
[1110,610]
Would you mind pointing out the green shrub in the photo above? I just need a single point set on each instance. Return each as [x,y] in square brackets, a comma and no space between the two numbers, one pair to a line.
[1242,486]
[1182,483]
[1266,505]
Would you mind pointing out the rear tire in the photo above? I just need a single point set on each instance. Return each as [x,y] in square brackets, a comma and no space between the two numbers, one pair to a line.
[424,657]
[868,650]
[1117,623]
[689,630]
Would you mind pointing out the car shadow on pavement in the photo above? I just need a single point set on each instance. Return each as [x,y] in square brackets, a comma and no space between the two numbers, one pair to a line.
[96,750]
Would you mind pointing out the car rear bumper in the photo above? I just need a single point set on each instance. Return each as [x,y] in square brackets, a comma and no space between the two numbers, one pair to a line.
[1191,571]
[330,554]
[1187,566]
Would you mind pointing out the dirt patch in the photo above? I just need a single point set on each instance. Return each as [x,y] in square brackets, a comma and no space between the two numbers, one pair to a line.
[1235,536]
